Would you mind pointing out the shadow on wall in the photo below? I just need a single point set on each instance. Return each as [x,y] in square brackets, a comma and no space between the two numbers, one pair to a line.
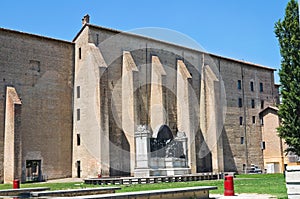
[203,154]
[229,163]
[119,153]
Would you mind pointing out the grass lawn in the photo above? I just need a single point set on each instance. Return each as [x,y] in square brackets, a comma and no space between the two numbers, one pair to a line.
[273,184]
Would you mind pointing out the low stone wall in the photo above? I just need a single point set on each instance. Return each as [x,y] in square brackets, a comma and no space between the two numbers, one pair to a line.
[292,177]
[176,193]
[21,191]
[154,179]
[75,192]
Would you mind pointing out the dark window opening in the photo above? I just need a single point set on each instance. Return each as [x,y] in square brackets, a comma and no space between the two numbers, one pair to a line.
[79,53]
[252,103]
[97,39]
[240,102]
[78,139]
[253,119]
[78,169]
[78,91]
[33,171]
[78,114]
[244,167]
[251,86]
[261,87]
[239,84]
[242,140]
[241,120]
[262,104]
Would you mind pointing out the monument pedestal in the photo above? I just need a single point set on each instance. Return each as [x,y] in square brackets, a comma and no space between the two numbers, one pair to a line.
[142,173]
[142,148]
[172,162]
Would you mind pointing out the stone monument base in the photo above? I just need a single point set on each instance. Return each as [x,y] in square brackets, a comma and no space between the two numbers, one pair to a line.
[142,173]
[170,171]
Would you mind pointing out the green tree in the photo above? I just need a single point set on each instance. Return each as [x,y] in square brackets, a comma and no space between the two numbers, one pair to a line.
[288,33]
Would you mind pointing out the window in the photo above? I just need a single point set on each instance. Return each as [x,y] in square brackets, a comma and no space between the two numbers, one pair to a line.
[240,102]
[35,65]
[79,53]
[251,86]
[78,169]
[78,139]
[241,120]
[78,91]
[97,39]
[261,87]
[262,120]
[262,104]
[242,140]
[78,114]
[33,170]
[252,103]
[263,145]
[239,84]
[253,119]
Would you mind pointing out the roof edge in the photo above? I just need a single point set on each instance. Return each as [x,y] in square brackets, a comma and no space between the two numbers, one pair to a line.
[35,35]
[269,107]
[173,44]
[80,31]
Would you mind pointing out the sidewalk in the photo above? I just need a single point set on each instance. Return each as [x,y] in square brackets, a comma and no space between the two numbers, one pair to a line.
[242,195]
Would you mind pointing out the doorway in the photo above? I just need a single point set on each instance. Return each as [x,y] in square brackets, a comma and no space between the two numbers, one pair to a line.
[33,171]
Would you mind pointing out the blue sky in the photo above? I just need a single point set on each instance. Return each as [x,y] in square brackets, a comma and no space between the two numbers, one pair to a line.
[238,29]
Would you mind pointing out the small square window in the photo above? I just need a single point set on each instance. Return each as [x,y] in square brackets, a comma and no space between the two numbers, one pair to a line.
[241,120]
[252,103]
[253,119]
[251,86]
[240,102]
[261,87]
[239,85]
[35,66]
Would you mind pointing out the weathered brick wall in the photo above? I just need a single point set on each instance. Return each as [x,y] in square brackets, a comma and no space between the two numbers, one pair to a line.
[233,153]
[249,152]
[41,70]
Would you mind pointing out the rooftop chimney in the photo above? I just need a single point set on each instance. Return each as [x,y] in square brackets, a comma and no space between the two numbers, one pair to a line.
[85,19]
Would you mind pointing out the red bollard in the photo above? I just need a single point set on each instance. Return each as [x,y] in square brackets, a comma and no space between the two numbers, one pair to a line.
[228,186]
[16,184]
